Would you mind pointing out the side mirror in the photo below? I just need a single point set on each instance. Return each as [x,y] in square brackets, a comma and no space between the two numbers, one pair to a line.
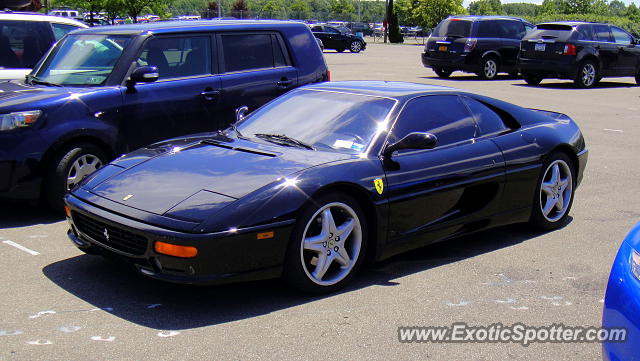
[412,141]
[144,74]
[241,112]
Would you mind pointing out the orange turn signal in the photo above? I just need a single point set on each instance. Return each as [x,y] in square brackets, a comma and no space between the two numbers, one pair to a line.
[175,250]
[265,235]
[67,211]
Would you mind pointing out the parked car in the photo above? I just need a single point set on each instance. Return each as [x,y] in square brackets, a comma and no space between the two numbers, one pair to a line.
[332,38]
[66,13]
[485,45]
[105,91]
[363,28]
[584,52]
[622,300]
[26,37]
[326,176]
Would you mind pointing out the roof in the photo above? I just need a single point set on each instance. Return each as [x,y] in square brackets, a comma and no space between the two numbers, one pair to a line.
[485,17]
[186,25]
[394,89]
[24,16]
[569,23]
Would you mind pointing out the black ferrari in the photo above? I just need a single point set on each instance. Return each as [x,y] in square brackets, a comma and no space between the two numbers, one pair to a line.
[326,177]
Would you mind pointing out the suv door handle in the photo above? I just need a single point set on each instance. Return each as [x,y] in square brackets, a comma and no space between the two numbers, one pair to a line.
[284,82]
[210,94]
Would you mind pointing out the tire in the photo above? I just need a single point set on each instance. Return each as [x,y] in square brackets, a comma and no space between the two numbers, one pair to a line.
[489,68]
[355,46]
[68,167]
[638,78]
[587,75]
[532,79]
[552,191]
[340,50]
[442,73]
[317,229]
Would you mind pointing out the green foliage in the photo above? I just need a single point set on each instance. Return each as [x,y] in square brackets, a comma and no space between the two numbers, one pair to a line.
[300,9]
[521,9]
[429,13]
[486,7]
[395,36]
[623,22]
[343,10]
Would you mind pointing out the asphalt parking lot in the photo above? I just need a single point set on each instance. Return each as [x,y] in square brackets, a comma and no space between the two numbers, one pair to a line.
[58,303]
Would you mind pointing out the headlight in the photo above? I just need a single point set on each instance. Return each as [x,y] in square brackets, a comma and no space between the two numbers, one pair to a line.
[18,119]
[635,264]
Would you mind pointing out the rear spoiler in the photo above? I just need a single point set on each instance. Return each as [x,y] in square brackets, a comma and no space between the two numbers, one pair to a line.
[553,115]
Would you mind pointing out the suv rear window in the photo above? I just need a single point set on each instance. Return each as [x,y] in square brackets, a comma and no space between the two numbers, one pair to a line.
[453,27]
[23,43]
[559,32]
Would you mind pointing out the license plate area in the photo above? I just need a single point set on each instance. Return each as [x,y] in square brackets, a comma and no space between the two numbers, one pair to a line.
[540,47]
[443,48]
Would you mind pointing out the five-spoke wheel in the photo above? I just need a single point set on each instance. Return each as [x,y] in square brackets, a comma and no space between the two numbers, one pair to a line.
[489,68]
[554,194]
[327,245]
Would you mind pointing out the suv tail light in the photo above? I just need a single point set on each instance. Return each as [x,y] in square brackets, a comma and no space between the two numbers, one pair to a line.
[569,49]
[470,44]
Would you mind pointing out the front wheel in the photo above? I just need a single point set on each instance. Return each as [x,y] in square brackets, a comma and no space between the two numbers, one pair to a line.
[587,75]
[327,245]
[355,46]
[554,193]
[442,73]
[70,165]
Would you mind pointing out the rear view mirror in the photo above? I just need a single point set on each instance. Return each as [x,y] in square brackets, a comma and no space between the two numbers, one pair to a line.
[144,74]
[414,140]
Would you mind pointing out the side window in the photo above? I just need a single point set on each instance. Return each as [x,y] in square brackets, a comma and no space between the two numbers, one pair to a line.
[512,29]
[620,36]
[178,57]
[585,32]
[331,30]
[488,121]
[601,33]
[23,43]
[252,51]
[443,115]
[488,29]
[316,29]
[60,30]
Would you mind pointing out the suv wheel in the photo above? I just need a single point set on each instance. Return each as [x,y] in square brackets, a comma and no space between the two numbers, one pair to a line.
[488,68]
[443,73]
[68,168]
[532,79]
[355,46]
[587,75]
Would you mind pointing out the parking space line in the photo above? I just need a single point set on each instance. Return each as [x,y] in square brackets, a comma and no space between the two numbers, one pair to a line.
[22,248]
[613,130]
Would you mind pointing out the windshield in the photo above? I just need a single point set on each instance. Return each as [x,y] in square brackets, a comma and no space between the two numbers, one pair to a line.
[453,27]
[323,120]
[82,60]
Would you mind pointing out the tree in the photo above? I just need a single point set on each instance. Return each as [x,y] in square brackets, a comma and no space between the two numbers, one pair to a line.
[211,11]
[486,7]
[113,9]
[274,9]
[135,7]
[617,8]
[395,36]
[430,12]
[521,9]
[633,12]
[300,9]
[240,9]
[342,10]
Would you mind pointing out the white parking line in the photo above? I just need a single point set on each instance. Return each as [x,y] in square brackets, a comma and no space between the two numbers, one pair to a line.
[613,130]
[22,248]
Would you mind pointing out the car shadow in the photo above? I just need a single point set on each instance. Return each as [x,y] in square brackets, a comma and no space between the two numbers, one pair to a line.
[123,293]
[471,77]
[15,214]
[569,85]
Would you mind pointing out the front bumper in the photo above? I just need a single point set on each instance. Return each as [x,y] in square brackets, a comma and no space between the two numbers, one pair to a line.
[228,256]
[622,307]
[20,165]
[555,68]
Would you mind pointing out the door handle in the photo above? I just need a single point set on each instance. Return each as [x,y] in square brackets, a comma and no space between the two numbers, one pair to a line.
[210,94]
[284,82]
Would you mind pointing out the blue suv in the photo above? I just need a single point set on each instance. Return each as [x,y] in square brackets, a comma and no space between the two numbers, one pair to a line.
[105,91]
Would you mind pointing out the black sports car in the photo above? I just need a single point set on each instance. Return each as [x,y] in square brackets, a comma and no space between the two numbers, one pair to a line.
[328,176]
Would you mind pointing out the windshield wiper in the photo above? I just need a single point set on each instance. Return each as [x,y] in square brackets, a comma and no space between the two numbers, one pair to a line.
[32,79]
[283,140]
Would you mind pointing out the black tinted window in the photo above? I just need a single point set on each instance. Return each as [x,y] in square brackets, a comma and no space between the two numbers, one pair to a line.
[278,52]
[23,43]
[585,32]
[249,51]
[488,29]
[512,29]
[620,36]
[443,115]
[488,121]
[178,56]
[453,27]
[331,30]
[601,33]
[316,29]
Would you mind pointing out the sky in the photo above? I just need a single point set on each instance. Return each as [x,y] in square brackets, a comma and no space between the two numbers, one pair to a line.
[539,2]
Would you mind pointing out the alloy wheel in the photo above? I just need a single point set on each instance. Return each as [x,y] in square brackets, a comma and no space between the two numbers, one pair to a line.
[490,68]
[556,190]
[588,74]
[82,167]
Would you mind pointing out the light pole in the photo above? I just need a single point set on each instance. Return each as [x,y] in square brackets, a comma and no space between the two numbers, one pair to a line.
[219,8]
[385,23]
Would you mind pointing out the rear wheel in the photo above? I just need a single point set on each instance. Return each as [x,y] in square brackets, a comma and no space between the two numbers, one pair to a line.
[355,46]
[327,245]
[442,73]
[488,68]
[70,165]
[587,75]
[554,193]
[532,79]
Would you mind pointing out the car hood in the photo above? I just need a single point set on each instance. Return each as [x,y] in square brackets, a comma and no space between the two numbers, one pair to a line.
[190,181]
[11,74]
[16,94]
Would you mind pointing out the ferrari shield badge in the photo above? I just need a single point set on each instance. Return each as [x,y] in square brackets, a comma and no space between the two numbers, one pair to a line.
[379,185]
